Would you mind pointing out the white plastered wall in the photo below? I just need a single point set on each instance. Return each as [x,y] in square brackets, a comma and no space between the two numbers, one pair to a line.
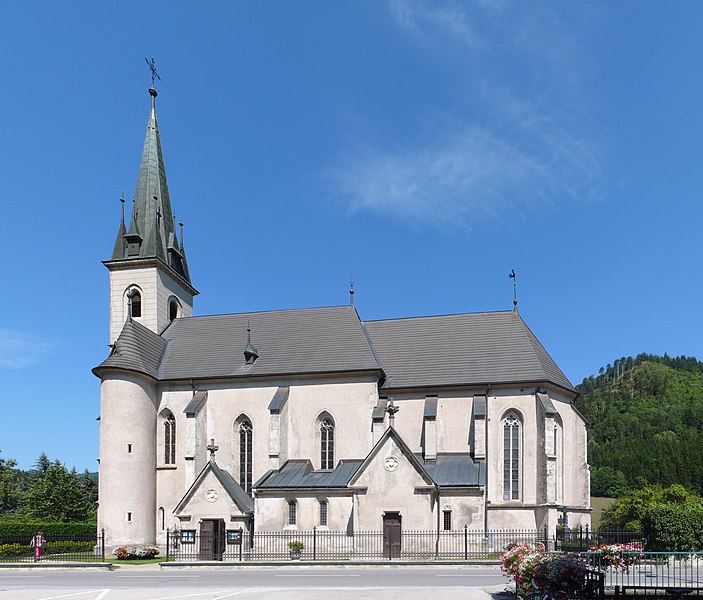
[155,287]
[127,486]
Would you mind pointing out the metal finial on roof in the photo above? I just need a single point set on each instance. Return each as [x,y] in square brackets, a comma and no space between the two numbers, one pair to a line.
[211,448]
[250,353]
[514,278]
[122,207]
[351,292]
[391,409]
[180,224]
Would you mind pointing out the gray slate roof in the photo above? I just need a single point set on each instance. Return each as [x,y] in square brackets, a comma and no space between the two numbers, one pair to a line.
[297,474]
[137,349]
[313,340]
[456,470]
[421,352]
[464,349]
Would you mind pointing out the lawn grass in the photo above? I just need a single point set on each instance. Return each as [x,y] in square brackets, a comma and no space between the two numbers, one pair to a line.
[598,504]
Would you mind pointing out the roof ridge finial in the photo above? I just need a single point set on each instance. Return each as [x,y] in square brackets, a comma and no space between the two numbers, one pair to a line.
[514,278]
[351,292]
[180,224]
[250,353]
[122,201]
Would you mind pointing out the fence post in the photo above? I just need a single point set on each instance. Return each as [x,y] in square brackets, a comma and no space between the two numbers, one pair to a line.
[546,539]
[168,541]
[241,542]
[314,543]
[466,542]
[102,545]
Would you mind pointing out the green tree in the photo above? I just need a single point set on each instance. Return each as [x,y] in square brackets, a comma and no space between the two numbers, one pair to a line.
[9,485]
[630,511]
[58,495]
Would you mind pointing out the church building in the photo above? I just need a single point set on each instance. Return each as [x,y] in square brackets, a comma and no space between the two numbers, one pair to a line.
[294,419]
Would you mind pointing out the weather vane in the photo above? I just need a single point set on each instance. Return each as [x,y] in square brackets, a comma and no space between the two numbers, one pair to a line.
[514,278]
[152,67]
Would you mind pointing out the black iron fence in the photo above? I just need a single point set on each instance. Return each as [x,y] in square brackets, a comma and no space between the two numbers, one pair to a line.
[583,538]
[237,545]
[52,548]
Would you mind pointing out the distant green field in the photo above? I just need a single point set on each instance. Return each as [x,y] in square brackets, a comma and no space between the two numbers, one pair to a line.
[598,504]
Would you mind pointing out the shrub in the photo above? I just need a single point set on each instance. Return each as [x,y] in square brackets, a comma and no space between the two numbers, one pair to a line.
[15,529]
[296,546]
[674,527]
[135,552]
[13,550]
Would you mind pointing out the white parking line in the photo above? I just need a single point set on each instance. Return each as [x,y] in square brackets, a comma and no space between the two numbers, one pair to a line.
[233,594]
[193,595]
[159,576]
[316,575]
[100,596]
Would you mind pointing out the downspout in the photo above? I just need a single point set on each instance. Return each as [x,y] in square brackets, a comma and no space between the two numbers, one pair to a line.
[485,486]
[436,543]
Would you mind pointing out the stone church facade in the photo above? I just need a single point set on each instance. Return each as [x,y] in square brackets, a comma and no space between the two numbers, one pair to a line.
[294,419]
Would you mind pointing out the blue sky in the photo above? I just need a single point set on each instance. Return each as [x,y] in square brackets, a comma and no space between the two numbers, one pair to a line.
[421,148]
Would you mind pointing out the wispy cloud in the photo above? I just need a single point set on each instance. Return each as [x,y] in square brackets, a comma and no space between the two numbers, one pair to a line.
[524,142]
[428,21]
[18,350]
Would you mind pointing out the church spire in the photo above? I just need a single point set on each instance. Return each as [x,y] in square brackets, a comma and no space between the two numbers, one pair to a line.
[152,217]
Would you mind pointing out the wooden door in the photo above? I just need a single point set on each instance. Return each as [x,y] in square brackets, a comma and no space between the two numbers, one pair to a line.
[391,535]
[212,539]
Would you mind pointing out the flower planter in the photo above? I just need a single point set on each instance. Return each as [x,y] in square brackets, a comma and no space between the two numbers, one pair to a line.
[295,554]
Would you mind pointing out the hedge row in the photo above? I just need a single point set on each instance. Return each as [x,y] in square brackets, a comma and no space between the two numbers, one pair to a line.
[13,550]
[12,529]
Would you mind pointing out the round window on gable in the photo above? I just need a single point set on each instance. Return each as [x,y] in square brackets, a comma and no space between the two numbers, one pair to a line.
[174,310]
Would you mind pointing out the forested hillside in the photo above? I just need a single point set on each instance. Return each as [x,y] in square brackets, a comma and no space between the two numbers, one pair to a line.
[645,418]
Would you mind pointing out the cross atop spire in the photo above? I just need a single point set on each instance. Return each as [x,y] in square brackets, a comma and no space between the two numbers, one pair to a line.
[152,67]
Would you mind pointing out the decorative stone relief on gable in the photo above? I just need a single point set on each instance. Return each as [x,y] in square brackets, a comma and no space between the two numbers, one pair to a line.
[391,463]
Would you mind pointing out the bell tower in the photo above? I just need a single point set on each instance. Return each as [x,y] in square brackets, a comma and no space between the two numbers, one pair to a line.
[149,276]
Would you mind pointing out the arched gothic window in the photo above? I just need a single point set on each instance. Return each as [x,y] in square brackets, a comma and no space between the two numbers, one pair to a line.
[511,458]
[170,440]
[327,444]
[172,310]
[136,300]
[245,455]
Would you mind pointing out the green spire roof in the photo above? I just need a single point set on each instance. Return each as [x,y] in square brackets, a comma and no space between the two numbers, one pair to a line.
[152,218]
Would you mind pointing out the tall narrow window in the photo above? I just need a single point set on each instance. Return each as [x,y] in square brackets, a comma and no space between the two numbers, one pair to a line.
[323,513]
[170,440]
[172,311]
[245,455]
[136,303]
[447,520]
[511,458]
[327,444]
[292,512]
